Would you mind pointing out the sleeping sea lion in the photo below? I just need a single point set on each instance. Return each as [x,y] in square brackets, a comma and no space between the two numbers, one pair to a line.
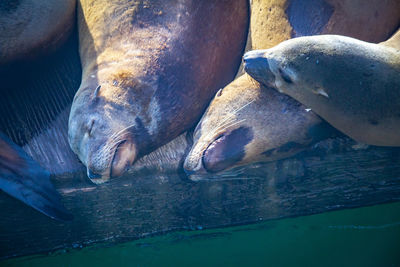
[149,70]
[352,84]
[32,28]
[247,122]
[279,126]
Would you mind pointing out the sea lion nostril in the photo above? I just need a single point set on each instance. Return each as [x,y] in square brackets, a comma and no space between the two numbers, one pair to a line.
[93,175]
[124,156]
[285,76]
[226,150]
[90,127]
[188,172]
[255,62]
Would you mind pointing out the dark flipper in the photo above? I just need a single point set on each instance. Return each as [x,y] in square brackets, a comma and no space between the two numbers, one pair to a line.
[23,178]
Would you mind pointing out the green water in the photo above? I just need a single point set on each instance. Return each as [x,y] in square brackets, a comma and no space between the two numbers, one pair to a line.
[358,237]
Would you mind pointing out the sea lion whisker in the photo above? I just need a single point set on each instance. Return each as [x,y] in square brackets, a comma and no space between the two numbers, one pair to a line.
[116,140]
[237,110]
[226,122]
[228,118]
[106,151]
[229,125]
[107,148]
[124,129]
[225,125]
[218,128]
[120,131]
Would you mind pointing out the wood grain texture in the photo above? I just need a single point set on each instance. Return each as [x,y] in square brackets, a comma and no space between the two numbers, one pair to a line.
[155,196]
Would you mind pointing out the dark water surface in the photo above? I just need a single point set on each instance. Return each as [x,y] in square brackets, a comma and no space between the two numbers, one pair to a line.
[358,237]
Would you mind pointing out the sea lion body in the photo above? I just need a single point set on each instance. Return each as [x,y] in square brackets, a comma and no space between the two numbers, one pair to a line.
[149,70]
[279,126]
[32,28]
[275,21]
[352,84]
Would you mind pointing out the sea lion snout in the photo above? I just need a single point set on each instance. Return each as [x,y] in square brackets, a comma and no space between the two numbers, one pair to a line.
[92,175]
[254,55]
[100,143]
[124,156]
[227,149]
[255,59]
[100,168]
[257,65]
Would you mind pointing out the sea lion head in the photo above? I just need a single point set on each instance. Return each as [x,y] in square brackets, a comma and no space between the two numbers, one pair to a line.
[248,122]
[106,128]
[220,138]
[279,66]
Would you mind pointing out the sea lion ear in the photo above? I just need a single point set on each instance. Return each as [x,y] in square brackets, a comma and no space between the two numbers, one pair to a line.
[96,92]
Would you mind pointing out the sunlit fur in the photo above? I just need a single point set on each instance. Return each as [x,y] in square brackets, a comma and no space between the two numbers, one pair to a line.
[354,85]
[274,119]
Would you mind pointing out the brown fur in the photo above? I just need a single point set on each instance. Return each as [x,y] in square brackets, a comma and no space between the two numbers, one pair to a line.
[32,28]
[158,64]
[270,25]
[273,118]
[371,21]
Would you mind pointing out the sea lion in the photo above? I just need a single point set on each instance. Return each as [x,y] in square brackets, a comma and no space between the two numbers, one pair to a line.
[149,70]
[32,28]
[247,122]
[271,119]
[352,84]
[23,178]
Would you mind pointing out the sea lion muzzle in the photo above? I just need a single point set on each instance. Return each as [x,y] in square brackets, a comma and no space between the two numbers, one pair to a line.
[227,149]
[257,65]
[124,156]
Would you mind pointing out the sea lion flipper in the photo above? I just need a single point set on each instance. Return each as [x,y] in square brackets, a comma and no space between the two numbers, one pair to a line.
[24,179]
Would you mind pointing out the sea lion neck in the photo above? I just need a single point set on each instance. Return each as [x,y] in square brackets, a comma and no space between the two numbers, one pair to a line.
[394,41]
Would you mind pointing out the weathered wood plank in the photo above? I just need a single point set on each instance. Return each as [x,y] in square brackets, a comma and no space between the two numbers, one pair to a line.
[155,196]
